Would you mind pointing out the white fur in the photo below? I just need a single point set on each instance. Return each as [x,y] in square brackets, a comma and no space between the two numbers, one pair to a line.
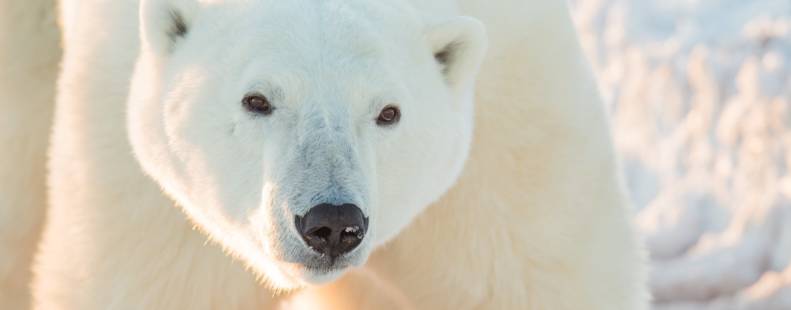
[242,177]
[537,220]
[29,55]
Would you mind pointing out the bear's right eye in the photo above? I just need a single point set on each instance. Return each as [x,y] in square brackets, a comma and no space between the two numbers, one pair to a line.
[257,104]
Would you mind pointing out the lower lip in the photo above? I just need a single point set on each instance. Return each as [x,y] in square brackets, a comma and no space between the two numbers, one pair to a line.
[325,269]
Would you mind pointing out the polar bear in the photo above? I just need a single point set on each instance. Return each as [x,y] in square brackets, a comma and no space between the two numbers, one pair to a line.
[331,152]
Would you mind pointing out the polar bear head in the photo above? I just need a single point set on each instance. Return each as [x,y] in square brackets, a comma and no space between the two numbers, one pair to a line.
[301,134]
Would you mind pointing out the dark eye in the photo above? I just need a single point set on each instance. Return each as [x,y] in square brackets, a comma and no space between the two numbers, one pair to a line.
[258,104]
[388,116]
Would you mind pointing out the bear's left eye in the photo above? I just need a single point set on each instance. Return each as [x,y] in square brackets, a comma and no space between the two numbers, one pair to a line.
[388,116]
[258,104]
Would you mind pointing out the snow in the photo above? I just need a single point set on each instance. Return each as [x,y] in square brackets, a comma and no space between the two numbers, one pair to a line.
[699,92]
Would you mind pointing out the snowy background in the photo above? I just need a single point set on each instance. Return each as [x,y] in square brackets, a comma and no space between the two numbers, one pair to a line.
[700,95]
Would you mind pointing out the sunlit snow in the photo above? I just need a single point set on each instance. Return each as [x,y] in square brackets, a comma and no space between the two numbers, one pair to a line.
[699,92]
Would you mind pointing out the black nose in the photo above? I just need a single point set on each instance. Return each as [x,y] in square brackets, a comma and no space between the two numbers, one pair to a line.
[331,229]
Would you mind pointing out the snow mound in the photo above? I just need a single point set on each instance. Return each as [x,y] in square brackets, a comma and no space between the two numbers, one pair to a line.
[699,92]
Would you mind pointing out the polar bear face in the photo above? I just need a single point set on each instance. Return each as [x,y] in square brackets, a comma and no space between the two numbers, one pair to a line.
[302,134]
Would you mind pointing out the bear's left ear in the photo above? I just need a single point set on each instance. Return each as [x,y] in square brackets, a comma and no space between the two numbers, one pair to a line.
[163,23]
[459,46]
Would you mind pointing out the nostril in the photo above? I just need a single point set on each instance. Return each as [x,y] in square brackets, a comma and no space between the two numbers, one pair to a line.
[320,232]
[352,235]
[332,229]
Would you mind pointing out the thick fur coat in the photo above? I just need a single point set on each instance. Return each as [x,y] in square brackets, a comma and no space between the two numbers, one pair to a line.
[535,220]
[29,55]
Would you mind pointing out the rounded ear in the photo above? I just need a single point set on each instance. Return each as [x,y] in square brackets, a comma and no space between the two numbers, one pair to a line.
[459,46]
[163,23]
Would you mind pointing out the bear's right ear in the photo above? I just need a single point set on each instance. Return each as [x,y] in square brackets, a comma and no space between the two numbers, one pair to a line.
[163,23]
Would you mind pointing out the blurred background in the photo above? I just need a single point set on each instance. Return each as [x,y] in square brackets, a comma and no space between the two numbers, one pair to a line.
[700,97]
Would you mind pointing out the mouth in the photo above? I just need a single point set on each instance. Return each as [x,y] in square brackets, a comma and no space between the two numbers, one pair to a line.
[321,269]
[325,269]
